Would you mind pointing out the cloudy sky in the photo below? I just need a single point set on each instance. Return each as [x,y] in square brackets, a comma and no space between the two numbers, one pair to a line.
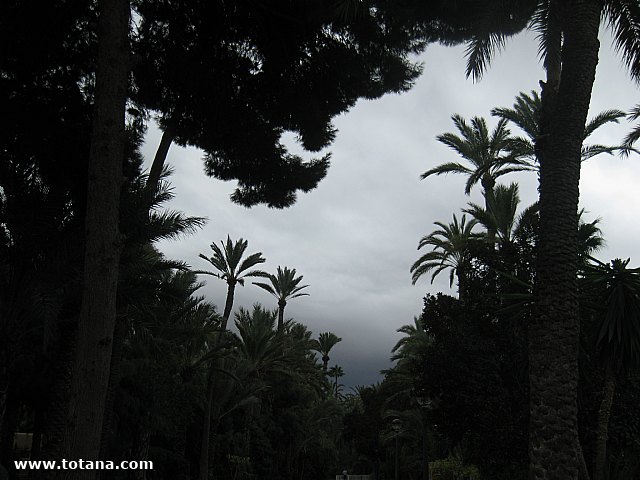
[355,236]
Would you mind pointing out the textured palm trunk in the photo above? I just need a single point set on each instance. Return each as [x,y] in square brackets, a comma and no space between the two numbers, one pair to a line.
[554,330]
[603,424]
[103,243]
[325,363]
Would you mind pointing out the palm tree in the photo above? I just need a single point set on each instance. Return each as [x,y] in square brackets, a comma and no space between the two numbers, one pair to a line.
[232,268]
[414,342]
[490,155]
[326,341]
[526,115]
[450,251]
[617,291]
[502,215]
[284,286]
[336,372]
[568,34]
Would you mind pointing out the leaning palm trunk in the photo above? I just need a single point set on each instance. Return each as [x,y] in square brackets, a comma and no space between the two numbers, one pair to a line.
[603,424]
[554,330]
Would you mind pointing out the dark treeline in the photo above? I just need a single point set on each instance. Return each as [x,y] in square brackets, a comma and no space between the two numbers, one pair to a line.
[107,349]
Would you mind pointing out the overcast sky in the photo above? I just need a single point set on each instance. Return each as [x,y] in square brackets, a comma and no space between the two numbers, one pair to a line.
[355,236]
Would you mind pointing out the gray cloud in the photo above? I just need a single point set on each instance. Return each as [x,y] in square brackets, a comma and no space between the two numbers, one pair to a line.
[355,236]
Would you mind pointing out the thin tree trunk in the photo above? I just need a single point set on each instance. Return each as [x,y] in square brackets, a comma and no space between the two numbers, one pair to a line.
[281,306]
[603,424]
[488,183]
[554,330]
[228,306]
[158,162]
[103,243]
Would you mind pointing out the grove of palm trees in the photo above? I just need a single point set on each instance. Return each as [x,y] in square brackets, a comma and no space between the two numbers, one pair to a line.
[354,239]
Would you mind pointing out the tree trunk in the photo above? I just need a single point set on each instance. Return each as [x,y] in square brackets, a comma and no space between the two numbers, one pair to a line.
[281,305]
[228,306]
[103,243]
[488,182]
[554,330]
[158,163]
[603,424]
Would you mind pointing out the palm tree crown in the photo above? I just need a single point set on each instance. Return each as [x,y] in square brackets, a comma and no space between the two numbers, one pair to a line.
[232,268]
[525,113]
[326,341]
[490,154]
[284,286]
[450,250]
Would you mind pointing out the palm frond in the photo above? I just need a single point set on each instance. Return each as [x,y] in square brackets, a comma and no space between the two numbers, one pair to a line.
[623,17]
[480,51]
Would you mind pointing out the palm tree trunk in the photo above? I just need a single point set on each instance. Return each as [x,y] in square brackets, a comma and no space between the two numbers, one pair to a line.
[603,424]
[554,330]
[228,306]
[281,306]
[103,243]
[488,182]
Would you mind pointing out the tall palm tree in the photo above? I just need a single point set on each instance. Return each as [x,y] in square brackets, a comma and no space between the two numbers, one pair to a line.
[617,293]
[568,34]
[525,114]
[326,341]
[450,251]
[284,286]
[232,268]
[490,155]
